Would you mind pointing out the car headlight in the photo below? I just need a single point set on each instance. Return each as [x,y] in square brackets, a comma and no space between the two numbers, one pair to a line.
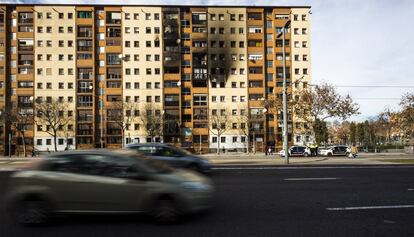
[195,186]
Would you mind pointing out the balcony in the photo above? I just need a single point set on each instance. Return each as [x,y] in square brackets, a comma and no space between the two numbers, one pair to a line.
[85,34]
[84,132]
[25,48]
[85,118]
[26,20]
[85,76]
[25,62]
[113,42]
[113,18]
[84,48]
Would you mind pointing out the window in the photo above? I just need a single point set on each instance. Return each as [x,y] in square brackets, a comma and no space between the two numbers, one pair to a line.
[84,14]
[232,17]
[136,16]
[304,31]
[156,16]
[212,17]
[148,71]
[304,17]
[305,71]
[147,16]
[304,44]
[214,140]
[234,138]
[221,17]
[223,139]
[222,98]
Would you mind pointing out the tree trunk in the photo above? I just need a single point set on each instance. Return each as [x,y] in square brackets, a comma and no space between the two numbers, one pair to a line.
[123,138]
[24,143]
[247,144]
[54,141]
[218,144]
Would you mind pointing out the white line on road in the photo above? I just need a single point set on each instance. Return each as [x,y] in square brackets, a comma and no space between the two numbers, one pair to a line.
[7,169]
[410,189]
[305,179]
[368,208]
[312,167]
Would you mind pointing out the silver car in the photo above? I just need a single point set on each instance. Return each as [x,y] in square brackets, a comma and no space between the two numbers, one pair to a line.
[173,156]
[105,182]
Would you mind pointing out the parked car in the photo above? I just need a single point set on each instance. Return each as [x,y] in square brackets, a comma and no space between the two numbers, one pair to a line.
[297,151]
[340,150]
[101,182]
[173,156]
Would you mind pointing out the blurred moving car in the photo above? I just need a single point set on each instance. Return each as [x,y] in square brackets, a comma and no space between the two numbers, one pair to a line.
[102,182]
[297,151]
[173,156]
[340,150]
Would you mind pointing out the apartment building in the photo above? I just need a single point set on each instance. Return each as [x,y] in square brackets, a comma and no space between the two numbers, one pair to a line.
[184,64]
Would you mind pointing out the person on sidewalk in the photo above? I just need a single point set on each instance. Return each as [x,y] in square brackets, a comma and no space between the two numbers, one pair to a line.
[354,151]
[269,151]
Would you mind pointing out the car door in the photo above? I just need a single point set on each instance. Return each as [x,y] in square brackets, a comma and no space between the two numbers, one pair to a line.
[301,150]
[124,185]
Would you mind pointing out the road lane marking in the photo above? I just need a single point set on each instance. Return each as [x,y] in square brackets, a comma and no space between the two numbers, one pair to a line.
[313,167]
[368,208]
[306,179]
[410,189]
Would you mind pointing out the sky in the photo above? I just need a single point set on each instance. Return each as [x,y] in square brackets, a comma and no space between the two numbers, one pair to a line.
[354,43]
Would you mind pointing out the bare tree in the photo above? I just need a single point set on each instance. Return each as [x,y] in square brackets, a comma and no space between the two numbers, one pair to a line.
[219,122]
[54,115]
[406,116]
[123,114]
[19,120]
[243,119]
[320,102]
[152,119]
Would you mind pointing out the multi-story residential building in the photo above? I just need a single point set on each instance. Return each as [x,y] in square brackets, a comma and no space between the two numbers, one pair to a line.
[189,63]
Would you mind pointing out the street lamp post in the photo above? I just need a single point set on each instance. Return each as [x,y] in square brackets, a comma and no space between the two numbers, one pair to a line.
[285,110]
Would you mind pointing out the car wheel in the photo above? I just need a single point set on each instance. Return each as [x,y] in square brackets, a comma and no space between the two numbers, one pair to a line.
[347,154]
[329,154]
[305,154]
[31,211]
[165,211]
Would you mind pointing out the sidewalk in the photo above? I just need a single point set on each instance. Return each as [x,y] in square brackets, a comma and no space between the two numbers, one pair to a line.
[276,160]
[260,159]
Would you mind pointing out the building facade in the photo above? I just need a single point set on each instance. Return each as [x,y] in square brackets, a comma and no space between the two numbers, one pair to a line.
[203,72]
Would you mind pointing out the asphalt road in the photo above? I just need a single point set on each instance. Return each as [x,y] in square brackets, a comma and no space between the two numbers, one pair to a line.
[270,202]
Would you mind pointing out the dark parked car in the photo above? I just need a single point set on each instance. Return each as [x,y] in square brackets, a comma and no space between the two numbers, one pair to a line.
[297,151]
[340,150]
[173,156]
[102,182]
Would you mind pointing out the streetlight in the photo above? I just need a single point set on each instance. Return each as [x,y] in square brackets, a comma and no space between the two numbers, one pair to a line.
[285,111]
[102,121]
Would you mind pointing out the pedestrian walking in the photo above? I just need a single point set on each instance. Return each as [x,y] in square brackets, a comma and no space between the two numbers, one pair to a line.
[269,151]
[354,151]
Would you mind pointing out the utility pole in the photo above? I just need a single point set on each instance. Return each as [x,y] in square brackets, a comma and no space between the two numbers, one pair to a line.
[285,110]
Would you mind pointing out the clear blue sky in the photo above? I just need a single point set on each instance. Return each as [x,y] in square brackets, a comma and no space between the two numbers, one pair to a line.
[354,42]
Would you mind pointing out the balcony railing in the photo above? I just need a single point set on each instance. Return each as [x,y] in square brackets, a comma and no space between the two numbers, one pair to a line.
[85,118]
[87,34]
[25,62]
[85,48]
[85,76]
[84,132]
[85,103]
[26,21]
[25,48]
